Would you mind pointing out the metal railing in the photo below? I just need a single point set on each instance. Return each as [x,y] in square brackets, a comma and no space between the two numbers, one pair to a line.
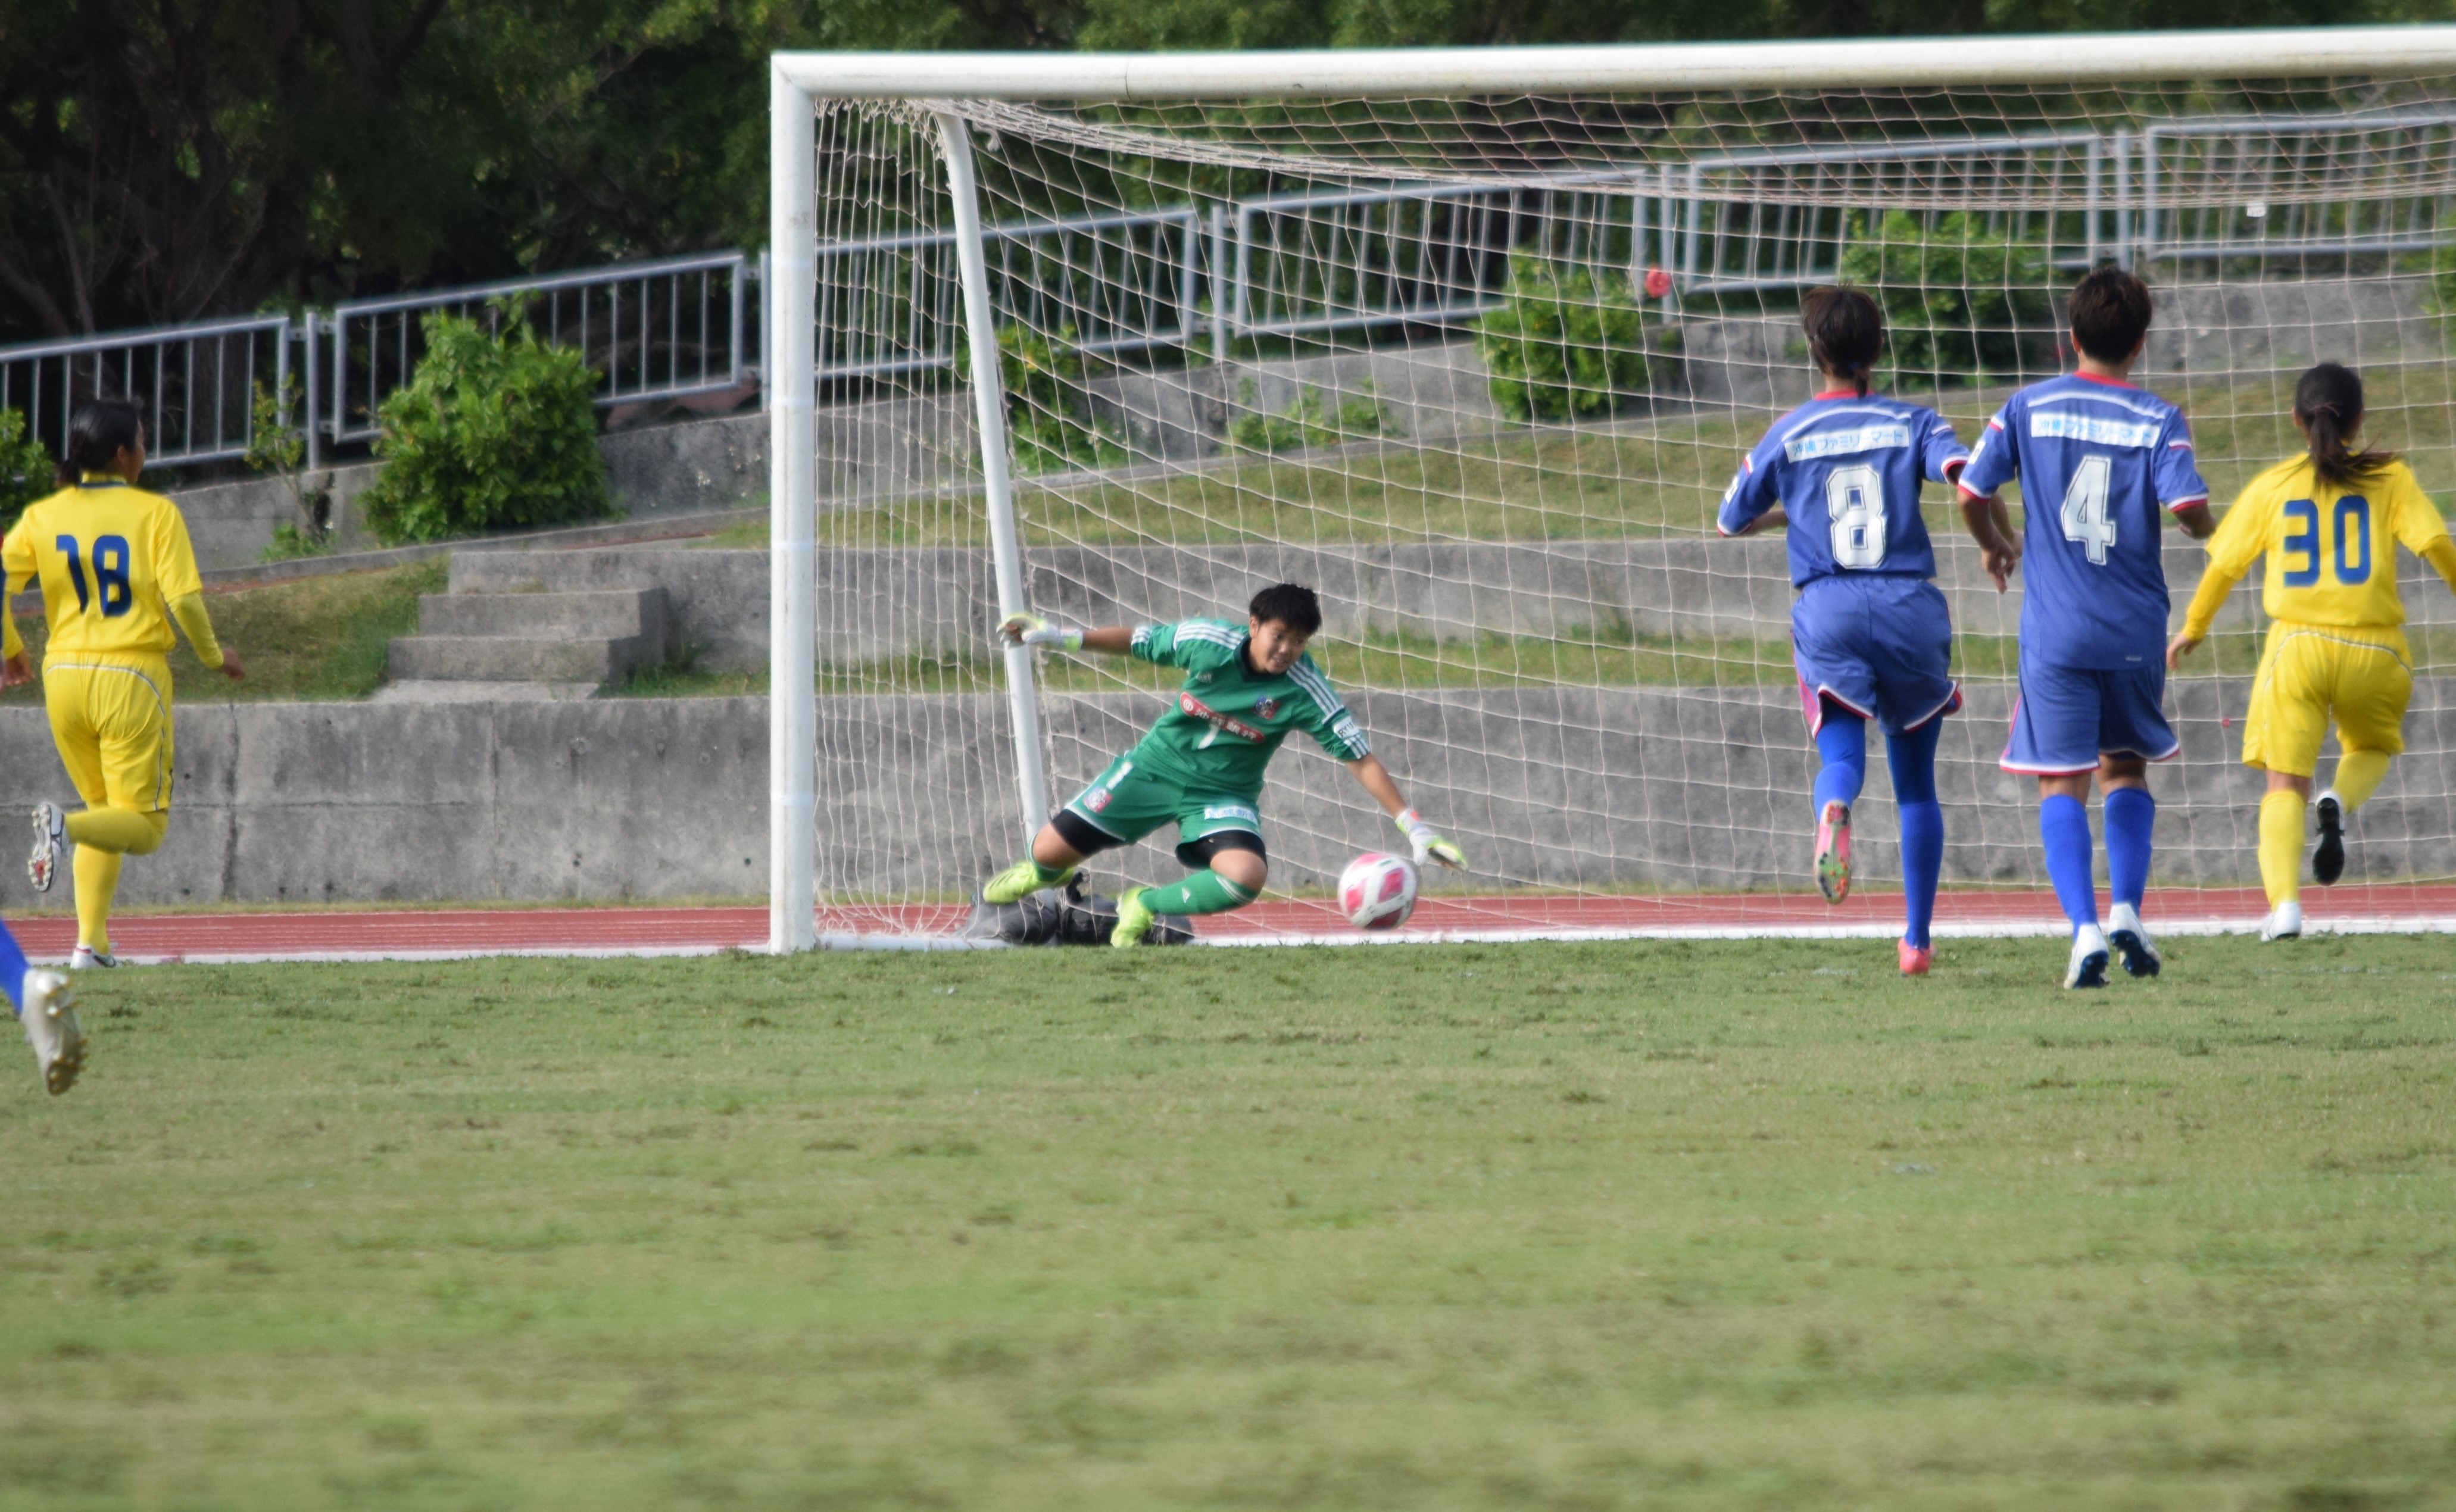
[1315,264]
[195,385]
[662,330]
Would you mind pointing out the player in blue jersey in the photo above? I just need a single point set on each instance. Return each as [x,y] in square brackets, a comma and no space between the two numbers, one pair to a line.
[2099,462]
[1869,634]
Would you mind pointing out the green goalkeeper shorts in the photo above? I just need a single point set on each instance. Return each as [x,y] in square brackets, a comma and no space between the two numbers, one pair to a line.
[1127,802]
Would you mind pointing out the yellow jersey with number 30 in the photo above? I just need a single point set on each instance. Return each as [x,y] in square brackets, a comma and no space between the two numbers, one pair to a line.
[113,560]
[2331,550]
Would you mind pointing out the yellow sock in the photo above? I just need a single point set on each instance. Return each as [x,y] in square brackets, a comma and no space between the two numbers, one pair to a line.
[125,831]
[97,879]
[2359,774]
[2281,846]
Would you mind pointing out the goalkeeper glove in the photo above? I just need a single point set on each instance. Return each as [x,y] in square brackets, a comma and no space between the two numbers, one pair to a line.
[1429,844]
[1030,630]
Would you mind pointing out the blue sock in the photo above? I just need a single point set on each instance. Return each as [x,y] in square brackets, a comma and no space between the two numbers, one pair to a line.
[13,969]
[2131,827]
[2064,823]
[1842,745]
[1912,759]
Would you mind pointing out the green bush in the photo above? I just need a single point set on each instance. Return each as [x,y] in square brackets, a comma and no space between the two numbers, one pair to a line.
[1049,405]
[1957,297]
[493,433]
[280,448]
[1311,419]
[25,468]
[1567,343]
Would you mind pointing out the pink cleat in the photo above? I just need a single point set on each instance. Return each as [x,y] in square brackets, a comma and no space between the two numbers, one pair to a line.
[1834,851]
[1915,958]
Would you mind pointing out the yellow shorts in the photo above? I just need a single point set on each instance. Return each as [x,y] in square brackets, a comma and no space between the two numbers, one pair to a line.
[112,722]
[2313,674]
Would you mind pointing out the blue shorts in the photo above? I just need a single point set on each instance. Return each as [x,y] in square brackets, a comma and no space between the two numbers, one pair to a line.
[2067,717]
[1880,644]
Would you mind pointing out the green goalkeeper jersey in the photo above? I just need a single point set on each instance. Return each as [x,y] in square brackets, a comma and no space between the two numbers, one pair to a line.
[1229,719]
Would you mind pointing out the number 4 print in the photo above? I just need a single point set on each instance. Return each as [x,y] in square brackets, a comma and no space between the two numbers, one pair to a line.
[2085,513]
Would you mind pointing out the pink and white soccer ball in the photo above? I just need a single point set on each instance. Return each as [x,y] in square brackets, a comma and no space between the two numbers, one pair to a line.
[1377,890]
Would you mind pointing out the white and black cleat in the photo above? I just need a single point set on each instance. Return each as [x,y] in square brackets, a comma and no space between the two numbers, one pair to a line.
[2284,922]
[2089,958]
[2131,944]
[86,958]
[48,1014]
[50,845]
[2329,860]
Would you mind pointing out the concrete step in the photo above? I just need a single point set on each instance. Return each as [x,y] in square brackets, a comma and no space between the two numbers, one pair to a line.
[586,638]
[618,613]
[518,658]
[435,691]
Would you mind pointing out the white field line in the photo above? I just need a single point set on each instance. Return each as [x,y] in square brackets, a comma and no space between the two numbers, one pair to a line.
[2419,923]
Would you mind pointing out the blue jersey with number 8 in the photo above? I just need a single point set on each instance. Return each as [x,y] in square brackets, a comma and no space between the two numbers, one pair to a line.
[1846,471]
[2097,461]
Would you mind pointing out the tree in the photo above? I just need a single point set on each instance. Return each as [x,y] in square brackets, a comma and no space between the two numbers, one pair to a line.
[166,159]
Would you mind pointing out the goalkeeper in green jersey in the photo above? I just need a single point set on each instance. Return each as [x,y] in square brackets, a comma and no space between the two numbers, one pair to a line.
[1246,687]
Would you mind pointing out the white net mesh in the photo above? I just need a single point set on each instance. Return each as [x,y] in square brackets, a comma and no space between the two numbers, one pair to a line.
[1478,370]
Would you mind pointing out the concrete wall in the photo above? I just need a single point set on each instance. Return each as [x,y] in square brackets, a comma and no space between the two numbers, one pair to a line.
[648,799]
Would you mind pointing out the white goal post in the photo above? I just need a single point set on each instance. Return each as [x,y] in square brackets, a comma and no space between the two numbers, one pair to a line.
[951,89]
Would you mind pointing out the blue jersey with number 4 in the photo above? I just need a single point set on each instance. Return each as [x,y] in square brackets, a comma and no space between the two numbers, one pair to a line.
[2097,461]
[1846,471]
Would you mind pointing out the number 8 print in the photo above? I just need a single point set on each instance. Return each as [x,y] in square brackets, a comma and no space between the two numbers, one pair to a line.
[1854,505]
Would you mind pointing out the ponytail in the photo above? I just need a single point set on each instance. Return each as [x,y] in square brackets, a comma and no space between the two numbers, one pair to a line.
[2328,406]
[98,432]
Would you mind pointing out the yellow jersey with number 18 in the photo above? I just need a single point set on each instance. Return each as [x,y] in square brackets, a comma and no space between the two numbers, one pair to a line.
[2331,550]
[114,561]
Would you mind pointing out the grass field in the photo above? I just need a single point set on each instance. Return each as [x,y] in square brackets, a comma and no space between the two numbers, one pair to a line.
[1754,1225]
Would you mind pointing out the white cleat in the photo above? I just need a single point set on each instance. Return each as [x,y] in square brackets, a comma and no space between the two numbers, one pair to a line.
[2284,922]
[2131,941]
[86,958]
[50,1017]
[50,843]
[2089,955]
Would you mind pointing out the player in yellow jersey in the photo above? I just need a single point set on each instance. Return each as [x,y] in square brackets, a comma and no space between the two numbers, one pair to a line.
[116,572]
[2330,522]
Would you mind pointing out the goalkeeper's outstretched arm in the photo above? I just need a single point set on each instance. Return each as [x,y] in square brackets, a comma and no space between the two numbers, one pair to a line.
[1426,843]
[1031,629]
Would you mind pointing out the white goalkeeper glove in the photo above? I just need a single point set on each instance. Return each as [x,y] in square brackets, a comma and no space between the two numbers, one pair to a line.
[1030,630]
[1428,843]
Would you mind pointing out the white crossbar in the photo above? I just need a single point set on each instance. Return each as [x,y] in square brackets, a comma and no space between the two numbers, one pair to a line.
[1826,63]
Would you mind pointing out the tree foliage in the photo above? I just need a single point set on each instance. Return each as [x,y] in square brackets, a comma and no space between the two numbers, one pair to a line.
[1959,299]
[166,159]
[25,473]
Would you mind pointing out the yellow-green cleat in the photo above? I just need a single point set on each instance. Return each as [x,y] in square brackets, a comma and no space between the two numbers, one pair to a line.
[1134,920]
[1021,881]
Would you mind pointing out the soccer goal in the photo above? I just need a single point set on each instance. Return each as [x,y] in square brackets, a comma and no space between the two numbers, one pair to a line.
[1472,341]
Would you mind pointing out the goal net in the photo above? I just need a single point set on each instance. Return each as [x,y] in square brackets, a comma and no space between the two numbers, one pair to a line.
[1477,364]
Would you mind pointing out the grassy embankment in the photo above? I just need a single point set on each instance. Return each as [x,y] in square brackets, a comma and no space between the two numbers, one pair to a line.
[318,638]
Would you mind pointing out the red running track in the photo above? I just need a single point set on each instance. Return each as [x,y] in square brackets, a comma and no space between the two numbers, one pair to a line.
[443,934]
